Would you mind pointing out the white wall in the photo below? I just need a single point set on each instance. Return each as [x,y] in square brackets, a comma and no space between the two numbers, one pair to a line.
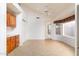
[22,28]
[35,27]
[32,28]
[2,29]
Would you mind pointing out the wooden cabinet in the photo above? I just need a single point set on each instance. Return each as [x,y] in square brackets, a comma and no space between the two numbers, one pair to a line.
[12,43]
[11,20]
[17,40]
[8,45]
[8,19]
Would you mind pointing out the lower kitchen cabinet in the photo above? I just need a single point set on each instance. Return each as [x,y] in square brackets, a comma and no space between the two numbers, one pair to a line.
[12,43]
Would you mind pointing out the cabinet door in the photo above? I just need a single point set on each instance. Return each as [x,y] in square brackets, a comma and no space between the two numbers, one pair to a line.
[17,40]
[8,45]
[13,21]
[8,19]
[13,43]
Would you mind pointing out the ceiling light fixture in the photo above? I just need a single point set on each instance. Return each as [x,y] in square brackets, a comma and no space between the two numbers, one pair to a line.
[37,17]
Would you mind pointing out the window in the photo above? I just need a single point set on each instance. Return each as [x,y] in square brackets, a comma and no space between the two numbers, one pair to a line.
[58,29]
[69,29]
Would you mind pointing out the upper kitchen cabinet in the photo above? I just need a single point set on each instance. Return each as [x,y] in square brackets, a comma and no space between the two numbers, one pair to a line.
[11,20]
[12,12]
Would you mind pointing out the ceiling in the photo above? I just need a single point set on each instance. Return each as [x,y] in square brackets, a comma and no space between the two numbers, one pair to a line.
[54,11]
